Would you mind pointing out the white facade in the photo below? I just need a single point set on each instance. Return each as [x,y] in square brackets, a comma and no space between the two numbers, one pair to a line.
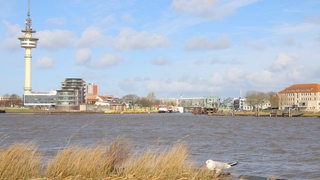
[40,99]
[305,97]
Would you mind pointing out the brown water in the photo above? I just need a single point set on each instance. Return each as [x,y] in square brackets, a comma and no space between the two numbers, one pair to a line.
[280,147]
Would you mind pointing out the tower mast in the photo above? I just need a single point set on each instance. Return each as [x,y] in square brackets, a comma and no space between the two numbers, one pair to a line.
[28,42]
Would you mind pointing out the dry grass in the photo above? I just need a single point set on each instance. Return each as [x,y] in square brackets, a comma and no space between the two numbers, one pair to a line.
[91,162]
[112,161]
[169,164]
[20,161]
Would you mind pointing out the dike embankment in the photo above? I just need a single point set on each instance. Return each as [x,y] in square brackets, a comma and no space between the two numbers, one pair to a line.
[266,114]
[42,111]
[145,111]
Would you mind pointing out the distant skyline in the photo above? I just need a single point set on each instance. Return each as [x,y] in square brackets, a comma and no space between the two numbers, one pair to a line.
[173,48]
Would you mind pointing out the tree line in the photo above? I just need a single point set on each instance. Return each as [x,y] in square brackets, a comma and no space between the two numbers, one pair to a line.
[149,101]
[12,100]
[253,98]
[257,98]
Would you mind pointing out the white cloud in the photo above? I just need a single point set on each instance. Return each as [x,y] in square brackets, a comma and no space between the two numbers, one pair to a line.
[263,77]
[236,75]
[55,39]
[126,17]
[130,85]
[190,84]
[215,79]
[11,41]
[83,56]
[107,60]
[318,39]
[290,41]
[283,61]
[108,20]
[287,29]
[204,43]
[92,37]
[210,9]
[303,74]
[129,39]
[160,61]
[314,19]
[44,62]
[200,7]
[255,44]
[173,86]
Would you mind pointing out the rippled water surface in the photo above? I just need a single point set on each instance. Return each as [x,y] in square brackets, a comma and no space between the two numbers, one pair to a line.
[280,147]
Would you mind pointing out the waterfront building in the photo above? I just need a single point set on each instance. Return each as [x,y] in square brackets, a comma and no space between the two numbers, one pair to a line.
[91,93]
[238,103]
[40,99]
[190,102]
[71,95]
[206,102]
[92,89]
[241,104]
[227,103]
[305,97]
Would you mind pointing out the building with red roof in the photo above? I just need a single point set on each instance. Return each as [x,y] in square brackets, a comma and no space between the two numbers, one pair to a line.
[303,96]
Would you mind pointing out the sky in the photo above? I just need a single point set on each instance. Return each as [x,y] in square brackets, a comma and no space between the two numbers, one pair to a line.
[174,48]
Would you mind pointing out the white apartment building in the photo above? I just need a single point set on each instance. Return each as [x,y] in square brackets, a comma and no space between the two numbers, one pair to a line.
[306,97]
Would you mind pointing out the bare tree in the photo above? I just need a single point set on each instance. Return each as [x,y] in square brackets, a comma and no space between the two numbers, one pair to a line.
[148,101]
[11,100]
[255,99]
[151,96]
[130,99]
[273,99]
[144,102]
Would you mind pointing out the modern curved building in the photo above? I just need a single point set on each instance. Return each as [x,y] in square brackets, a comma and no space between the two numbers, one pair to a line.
[71,95]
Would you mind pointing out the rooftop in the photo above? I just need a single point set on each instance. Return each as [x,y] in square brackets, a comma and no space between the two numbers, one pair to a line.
[302,88]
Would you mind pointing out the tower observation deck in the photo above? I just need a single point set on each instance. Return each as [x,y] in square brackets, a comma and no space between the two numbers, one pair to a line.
[28,42]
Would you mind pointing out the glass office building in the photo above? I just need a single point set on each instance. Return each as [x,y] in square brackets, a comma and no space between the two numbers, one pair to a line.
[40,99]
[71,95]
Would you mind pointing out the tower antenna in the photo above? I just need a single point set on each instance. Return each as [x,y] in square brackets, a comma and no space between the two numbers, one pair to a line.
[29,20]
[28,8]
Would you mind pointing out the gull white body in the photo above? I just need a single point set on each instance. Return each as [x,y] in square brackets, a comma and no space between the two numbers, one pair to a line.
[219,166]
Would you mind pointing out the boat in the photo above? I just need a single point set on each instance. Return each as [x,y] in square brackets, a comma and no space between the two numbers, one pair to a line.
[297,114]
[162,109]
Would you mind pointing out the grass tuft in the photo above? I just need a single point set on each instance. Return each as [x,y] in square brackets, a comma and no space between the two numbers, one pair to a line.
[20,161]
[153,164]
[91,162]
[103,161]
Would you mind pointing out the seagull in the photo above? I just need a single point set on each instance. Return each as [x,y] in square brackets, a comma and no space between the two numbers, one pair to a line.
[219,166]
